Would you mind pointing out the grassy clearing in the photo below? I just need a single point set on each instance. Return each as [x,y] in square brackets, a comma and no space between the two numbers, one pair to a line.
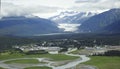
[60,57]
[54,57]
[24,61]
[76,51]
[40,67]
[104,62]
[81,51]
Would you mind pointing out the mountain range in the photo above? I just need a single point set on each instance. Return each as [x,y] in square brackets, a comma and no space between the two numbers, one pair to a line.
[106,22]
[24,26]
[72,17]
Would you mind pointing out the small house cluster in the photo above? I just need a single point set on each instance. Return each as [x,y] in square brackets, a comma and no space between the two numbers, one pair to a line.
[51,50]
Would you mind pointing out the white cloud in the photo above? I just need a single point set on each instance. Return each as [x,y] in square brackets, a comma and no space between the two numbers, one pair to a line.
[82,1]
[52,3]
[95,5]
[44,8]
[10,9]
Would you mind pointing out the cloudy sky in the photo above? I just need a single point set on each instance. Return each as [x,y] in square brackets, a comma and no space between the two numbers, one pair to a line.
[47,8]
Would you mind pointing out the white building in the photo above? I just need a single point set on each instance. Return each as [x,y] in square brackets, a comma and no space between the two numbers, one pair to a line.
[51,50]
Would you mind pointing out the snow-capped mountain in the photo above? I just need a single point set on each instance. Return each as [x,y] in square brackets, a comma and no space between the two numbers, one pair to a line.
[64,14]
[71,20]
[72,17]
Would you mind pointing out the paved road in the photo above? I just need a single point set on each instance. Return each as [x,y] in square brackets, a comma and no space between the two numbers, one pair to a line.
[83,58]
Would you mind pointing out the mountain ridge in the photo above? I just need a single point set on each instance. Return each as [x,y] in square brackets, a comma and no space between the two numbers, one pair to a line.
[100,22]
[27,26]
[72,17]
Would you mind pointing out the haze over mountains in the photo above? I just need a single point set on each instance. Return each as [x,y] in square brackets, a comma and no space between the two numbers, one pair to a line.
[88,22]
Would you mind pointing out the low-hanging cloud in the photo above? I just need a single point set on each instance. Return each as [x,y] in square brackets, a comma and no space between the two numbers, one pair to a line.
[92,5]
[83,1]
[10,9]
[45,7]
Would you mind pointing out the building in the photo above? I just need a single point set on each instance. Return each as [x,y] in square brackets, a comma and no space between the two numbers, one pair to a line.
[51,50]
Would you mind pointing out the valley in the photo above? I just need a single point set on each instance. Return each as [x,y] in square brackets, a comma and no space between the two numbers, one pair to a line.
[60,34]
[57,53]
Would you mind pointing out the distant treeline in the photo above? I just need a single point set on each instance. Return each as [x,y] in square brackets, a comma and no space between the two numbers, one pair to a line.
[36,52]
[19,51]
[6,42]
[109,53]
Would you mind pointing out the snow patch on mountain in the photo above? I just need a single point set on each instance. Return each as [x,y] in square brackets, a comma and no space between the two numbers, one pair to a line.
[72,17]
[64,14]
[70,20]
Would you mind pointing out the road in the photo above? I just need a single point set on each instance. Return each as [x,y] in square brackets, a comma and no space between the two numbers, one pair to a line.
[82,59]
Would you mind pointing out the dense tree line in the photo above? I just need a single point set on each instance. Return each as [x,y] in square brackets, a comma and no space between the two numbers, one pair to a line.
[6,42]
[12,51]
[109,53]
[36,52]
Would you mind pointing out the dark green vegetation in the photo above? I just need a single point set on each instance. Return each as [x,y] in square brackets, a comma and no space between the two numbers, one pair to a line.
[104,62]
[24,61]
[53,57]
[1,68]
[110,53]
[36,52]
[7,42]
[40,67]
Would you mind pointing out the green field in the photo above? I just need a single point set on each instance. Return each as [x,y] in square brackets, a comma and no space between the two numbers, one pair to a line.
[76,51]
[53,57]
[40,67]
[104,62]
[24,61]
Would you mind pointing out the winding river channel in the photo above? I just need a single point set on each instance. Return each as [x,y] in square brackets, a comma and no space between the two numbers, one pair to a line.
[82,59]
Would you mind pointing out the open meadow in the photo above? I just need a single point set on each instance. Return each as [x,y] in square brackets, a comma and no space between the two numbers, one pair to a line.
[104,62]
[53,57]
[40,67]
